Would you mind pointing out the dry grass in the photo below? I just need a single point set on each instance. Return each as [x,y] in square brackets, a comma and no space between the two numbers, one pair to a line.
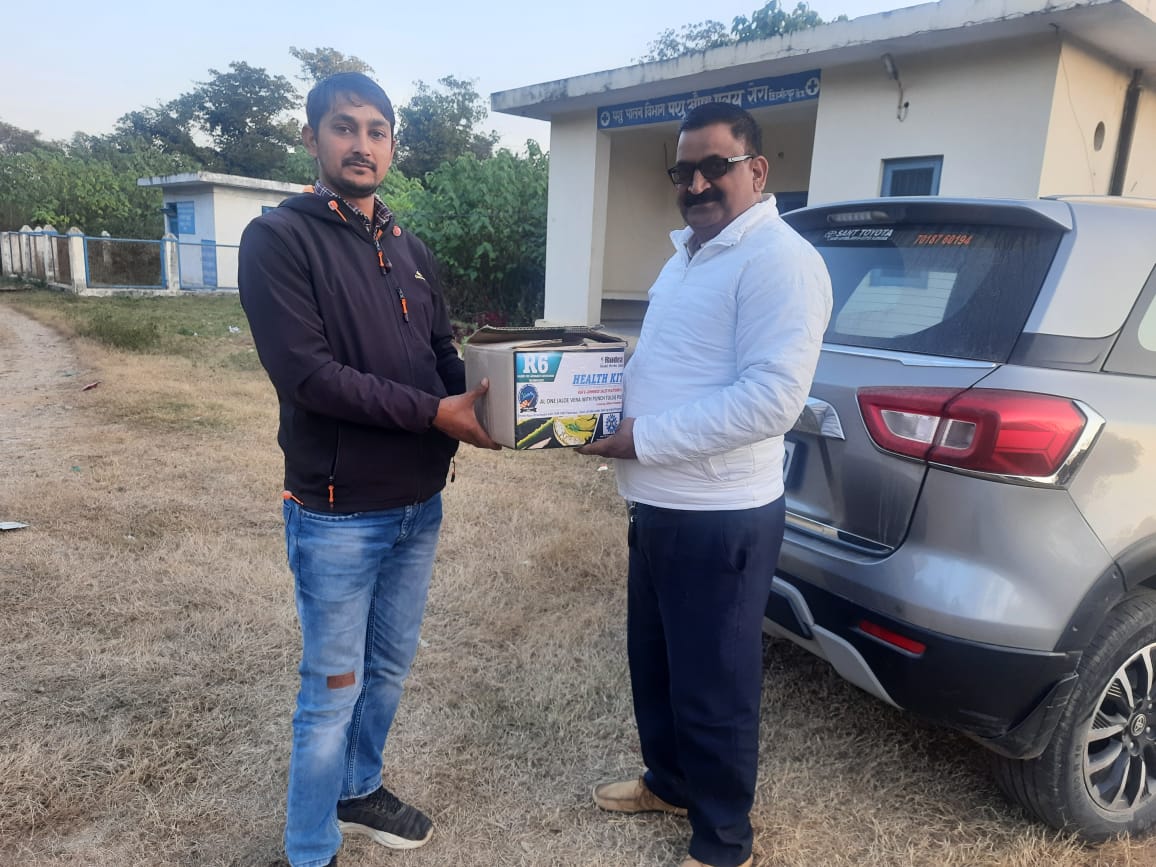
[150,648]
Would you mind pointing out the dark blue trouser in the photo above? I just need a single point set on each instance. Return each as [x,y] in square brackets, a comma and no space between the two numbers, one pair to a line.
[698,587]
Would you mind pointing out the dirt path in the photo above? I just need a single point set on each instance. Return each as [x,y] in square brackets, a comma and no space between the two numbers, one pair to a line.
[33,357]
[38,372]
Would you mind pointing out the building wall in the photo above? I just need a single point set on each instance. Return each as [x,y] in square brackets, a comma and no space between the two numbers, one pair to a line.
[986,111]
[576,219]
[1089,94]
[234,209]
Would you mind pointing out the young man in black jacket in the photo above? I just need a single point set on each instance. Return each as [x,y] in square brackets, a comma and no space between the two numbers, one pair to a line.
[351,325]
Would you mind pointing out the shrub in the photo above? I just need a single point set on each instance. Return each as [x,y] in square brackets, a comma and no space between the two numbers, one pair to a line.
[135,335]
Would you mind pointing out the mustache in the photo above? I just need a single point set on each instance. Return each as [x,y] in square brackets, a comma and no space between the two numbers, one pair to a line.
[689,200]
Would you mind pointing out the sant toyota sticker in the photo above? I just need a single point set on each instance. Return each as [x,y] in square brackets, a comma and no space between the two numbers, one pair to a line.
[858,235]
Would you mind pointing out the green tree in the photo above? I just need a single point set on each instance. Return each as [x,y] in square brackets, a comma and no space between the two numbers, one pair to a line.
[300,167]
[89,181]
[14,140]
[241,114]
[687,39]
[439,124]
[485,220]
[93,186]
[242,111]
[771,20]
[400,193]
[169,128]
[765,22]
[324,62]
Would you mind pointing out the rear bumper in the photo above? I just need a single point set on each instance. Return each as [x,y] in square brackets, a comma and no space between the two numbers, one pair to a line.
[1006,698]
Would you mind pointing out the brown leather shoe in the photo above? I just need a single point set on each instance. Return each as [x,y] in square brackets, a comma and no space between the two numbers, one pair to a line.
[632,796]
[694,862]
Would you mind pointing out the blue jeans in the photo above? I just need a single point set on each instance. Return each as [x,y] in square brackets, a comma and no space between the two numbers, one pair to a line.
[361,583]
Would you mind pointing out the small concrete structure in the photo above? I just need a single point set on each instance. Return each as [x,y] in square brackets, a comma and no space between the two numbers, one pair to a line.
[207,212]
[990,98]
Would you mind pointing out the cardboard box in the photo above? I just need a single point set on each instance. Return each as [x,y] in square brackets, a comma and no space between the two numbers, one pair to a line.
[549,387]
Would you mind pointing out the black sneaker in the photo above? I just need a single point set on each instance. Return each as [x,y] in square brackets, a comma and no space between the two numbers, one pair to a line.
[385,819]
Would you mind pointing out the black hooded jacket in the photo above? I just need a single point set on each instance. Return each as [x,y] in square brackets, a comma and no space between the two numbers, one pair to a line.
[358,370]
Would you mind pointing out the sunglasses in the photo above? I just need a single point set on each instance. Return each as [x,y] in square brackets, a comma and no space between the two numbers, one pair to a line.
[712,168]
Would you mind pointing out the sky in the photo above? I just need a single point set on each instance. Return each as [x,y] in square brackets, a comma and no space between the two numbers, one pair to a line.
[79,67]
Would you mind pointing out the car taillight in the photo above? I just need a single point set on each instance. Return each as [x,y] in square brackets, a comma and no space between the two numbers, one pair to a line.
[893,638]
[981,430]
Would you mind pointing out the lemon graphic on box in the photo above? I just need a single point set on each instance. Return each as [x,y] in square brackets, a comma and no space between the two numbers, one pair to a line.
[575,430]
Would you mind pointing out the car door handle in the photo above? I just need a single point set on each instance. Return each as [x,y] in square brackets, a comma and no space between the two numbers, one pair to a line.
[820,419]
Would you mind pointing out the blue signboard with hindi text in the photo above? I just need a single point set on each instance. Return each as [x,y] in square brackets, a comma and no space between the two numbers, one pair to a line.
[757,93]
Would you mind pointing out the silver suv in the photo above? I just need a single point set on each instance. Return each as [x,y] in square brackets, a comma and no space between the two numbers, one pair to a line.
[971,490]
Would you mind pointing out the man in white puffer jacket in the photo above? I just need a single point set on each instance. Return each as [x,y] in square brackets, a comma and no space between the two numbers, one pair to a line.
[723,365]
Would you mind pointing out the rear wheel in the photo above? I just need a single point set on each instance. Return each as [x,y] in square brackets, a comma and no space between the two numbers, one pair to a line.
[1097,778]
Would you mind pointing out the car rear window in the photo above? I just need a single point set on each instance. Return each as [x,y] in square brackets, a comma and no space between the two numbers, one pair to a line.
[960,290]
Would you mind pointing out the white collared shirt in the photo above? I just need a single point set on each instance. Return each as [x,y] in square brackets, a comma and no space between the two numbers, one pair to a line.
[723,365]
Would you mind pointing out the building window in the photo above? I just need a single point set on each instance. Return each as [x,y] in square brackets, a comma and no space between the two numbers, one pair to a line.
[916,176]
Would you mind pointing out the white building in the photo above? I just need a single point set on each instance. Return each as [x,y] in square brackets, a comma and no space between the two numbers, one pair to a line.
[990,98]
[207,213]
